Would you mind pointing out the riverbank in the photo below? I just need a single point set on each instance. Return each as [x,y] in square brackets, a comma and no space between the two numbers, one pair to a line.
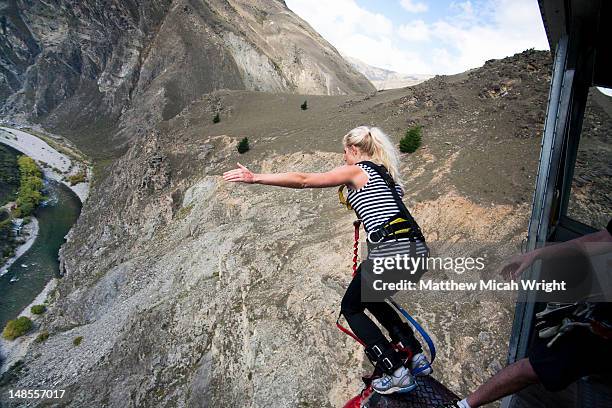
[31,232]
[13,350]
[56,165]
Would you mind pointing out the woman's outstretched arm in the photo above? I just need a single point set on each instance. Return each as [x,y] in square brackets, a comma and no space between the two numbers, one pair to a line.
[336,177]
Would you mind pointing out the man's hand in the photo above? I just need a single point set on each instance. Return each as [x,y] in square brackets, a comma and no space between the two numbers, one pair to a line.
[517,265]
[241,174]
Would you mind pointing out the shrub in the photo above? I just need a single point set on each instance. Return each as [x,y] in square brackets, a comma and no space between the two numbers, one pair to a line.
[77,340]
[243,146]
[77,178]
[411,141]
[44,335]
[304,106]
[17,327]
[28,167]
[216,119]
[38,309]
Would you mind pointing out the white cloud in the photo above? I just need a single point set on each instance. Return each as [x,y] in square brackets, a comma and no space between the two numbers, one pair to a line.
[416,31]
[466,10]
[413,6]
[359,33]
[338,18]
[501,28]
[476,32]
[384,54]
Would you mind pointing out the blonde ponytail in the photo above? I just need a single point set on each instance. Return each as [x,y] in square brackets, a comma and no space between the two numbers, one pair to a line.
[373,142]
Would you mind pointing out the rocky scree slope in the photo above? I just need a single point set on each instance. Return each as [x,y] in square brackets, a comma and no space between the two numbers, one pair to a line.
[192,292]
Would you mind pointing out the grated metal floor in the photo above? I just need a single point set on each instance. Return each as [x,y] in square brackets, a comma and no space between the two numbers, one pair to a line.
[429,393]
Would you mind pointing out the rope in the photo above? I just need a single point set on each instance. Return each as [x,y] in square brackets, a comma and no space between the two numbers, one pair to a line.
[343,329]
[356,224]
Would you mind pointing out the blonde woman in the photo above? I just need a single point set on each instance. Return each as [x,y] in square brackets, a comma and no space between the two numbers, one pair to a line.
[371,173]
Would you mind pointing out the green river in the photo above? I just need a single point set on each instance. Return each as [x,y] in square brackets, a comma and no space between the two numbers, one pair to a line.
[39,264]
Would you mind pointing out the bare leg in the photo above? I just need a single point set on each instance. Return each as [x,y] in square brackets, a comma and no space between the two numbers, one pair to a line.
[509,380]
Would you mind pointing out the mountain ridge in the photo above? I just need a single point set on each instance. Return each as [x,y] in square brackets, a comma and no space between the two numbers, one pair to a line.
[92,70]
[384,79]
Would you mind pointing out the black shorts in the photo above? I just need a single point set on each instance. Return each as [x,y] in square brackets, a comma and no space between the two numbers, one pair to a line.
[576,354]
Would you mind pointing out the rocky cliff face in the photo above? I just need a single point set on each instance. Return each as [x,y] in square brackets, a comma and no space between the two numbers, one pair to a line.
[120,65]
[192,292]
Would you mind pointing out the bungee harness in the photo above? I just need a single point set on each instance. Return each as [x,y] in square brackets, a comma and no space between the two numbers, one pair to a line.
[558,319]
[398,226]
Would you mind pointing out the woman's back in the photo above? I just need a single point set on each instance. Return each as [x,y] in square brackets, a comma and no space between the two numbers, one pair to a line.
[374,202]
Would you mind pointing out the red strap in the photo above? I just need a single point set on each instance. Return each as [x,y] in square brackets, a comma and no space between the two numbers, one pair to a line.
[406,350]
[348,332]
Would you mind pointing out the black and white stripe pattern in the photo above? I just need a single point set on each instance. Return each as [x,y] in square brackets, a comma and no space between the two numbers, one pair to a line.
[374,204]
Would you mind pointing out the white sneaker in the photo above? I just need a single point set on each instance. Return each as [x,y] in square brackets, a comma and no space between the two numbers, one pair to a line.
[401,381]
[420,366]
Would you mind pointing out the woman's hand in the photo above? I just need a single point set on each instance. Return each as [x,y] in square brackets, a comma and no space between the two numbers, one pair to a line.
[241,174]
[517,265]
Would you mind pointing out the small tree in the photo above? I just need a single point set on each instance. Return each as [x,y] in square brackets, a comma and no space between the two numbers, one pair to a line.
[38,309]
[44,335]
[216,119]
[17,327]
[243,146]
[411,141]
[304,106]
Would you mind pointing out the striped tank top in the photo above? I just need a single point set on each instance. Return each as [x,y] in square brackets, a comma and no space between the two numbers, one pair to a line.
[374,204]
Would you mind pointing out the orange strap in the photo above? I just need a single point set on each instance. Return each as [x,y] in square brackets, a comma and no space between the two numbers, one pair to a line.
[356,224]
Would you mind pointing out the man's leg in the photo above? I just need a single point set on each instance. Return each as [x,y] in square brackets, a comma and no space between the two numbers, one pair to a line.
[509,380]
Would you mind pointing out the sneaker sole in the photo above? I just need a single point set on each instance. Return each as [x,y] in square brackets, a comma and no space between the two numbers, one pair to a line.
[397,390]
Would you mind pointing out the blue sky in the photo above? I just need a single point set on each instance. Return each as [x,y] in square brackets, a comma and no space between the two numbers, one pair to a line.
[426,37]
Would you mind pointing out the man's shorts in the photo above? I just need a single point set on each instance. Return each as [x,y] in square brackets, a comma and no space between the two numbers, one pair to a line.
[576,354]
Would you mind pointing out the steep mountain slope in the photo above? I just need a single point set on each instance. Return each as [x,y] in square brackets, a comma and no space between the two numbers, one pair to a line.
[120,65]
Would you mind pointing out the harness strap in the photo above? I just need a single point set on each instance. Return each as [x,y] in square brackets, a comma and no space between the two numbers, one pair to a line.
[430,344]
[396,228]
[382,171]
[348,332]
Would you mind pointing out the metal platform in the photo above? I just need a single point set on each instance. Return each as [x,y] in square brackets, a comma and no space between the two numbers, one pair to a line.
[429,393]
